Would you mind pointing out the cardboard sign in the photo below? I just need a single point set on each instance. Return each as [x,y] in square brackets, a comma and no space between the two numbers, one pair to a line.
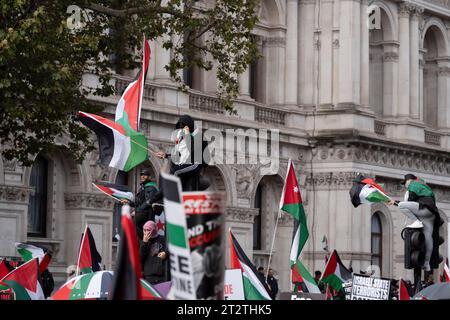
[301,296]
[369,288]
[181,269]
[205,217]
[233,286]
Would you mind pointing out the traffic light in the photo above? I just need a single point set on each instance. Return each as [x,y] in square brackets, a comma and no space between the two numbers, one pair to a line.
[436,257]
[414,248]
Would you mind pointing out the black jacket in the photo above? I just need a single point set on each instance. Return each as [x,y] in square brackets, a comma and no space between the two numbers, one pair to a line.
[143,206]
[273,284]
[152,266]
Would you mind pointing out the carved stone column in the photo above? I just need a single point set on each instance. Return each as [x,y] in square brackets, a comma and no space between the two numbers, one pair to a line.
[415,75]
[404,60]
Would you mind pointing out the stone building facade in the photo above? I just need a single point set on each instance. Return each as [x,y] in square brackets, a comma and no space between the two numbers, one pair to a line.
[345,98]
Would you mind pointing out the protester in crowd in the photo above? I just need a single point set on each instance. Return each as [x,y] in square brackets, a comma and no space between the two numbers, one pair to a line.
[320,284]
[186,162]
[153,254]
[143,202]
[273,284]
[419,204]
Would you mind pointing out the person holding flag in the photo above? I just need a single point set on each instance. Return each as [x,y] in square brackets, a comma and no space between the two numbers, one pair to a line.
[419,204]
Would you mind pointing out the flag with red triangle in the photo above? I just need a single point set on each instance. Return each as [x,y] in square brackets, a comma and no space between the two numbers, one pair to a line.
[5,268]
[335,273]
[254,287]
[404,290]
[303,279]
[24,281]
[446,273]
[291,203]
[127,274]
[128,109]
[89,260]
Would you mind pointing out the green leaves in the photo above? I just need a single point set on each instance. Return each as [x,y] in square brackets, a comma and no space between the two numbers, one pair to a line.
[42,60]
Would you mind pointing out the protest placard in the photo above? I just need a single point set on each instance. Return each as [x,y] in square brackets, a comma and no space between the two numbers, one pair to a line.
[370,288]
[233,285]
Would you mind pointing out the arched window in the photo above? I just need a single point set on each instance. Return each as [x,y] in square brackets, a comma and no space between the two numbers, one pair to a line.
[376,241]
[257,225]
[37,210]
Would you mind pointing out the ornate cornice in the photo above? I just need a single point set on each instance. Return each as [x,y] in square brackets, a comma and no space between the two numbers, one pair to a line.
[10,165]
[87,201]
[444,71]
[241,214]
[274,41]
[331,180]
[390,56]
[391,156]
[417,11]
[405,9]
[15,194]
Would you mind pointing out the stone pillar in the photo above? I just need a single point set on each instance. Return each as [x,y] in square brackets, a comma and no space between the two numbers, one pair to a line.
[443,93]
[306,70]
[291,64]
[244,84]
[365,63]
[390,79]
[162,58]
[404,58]
[350,53]
[415,76]
[421,84]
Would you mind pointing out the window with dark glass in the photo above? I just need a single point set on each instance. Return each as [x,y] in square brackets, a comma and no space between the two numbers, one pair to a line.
[37,210]
[257,224]
[376,241]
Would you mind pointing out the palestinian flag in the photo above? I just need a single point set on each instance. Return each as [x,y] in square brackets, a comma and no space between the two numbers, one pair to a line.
[303,280]
[5,268]
[89,260]
[404,290]
[127,275]
[446,273]
[148,292]
[183,281]
[24,281]
[254,288]
[120,146]
[128,109]
[335,273]
[28,252]
[291,202]
[115,191]
[94,285]
[365,190]
[160,221]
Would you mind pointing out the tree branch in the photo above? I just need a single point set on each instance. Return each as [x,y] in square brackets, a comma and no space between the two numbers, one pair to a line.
[130,11]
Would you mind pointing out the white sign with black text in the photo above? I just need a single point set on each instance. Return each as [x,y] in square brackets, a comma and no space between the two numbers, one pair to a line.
[369,288]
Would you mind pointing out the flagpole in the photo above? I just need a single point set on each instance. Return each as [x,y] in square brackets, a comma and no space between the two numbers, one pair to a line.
[273,242]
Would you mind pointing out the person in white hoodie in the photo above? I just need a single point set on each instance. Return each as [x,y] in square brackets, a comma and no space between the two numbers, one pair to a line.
[188,156]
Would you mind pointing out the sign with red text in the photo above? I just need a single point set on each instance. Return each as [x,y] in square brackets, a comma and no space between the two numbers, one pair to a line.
[233,285]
